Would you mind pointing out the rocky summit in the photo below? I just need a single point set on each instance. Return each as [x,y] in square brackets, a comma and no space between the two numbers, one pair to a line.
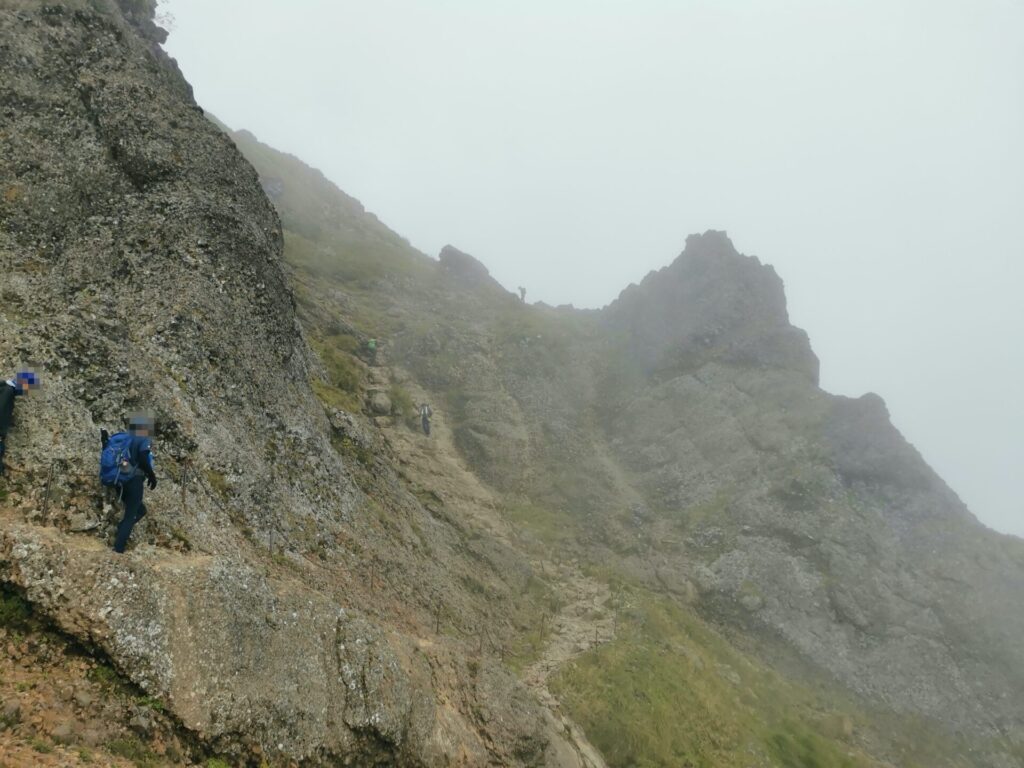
[636,536]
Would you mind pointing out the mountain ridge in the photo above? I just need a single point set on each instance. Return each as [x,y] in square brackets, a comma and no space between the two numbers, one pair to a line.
[729,366]
[771,574]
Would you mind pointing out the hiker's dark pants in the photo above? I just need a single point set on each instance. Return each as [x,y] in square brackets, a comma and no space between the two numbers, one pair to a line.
[134,510]
[6,416]
[426,426]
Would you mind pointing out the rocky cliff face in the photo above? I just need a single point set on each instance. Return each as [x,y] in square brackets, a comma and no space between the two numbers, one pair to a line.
[710,304]
[283,599]
[808,516]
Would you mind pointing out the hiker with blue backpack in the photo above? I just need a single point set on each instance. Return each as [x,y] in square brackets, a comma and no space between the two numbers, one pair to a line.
[22,383]
[127,460]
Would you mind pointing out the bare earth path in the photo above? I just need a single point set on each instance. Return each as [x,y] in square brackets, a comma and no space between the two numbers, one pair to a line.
[583,622]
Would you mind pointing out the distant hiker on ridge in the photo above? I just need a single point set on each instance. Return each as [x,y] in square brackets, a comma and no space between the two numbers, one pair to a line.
[522,294]
[425,413]
[126,459]
[23,383]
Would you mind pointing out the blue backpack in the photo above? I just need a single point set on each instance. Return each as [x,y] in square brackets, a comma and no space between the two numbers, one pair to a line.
[116,460]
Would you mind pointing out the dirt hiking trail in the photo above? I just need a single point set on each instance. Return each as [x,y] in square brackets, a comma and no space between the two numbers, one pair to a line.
[433,464]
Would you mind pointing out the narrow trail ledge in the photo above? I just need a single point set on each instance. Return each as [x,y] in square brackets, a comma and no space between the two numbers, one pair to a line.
[434,465]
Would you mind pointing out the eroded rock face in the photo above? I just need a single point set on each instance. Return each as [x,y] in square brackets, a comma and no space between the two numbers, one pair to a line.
[141,267]
[711,303]
[808,516]
[463,267]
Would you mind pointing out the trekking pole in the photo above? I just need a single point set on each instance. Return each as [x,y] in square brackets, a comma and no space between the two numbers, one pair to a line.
[46,493]
[184,483]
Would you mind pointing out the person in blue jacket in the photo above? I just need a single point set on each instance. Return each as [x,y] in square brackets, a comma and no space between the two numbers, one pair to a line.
[133,456]
[23,383]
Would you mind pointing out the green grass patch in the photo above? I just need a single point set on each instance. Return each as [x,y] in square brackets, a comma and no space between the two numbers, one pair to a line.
[669,691]
[534,341]
[219,483]
[551,528]
[706,512]
[793,745]
[332,397]
[133,749]
[344,382]
[15,611]
[532,616]
[179,535]
[151,702]
[402,405]
[349,448]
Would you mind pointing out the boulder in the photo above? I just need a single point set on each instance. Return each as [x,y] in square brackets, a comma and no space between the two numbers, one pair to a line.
[380,403]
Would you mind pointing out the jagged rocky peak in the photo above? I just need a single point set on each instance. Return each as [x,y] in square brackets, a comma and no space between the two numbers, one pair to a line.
[466,268]
[712,303]
[140,14]
[869,449]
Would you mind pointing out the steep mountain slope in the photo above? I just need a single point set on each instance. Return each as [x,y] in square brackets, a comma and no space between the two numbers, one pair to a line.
[832,531]
[771,575]
[289,598]
[678,442]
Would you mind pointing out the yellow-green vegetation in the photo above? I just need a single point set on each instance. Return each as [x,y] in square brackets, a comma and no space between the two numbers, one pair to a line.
[549,528]
[402,404]
[710,510]
[356,261]
[332,397]
[327,233]
[344,386]
[151,702]
[218,482]
[669,691]
[40,745]
[541,338]
[133,749]
[532,615]
[105,675]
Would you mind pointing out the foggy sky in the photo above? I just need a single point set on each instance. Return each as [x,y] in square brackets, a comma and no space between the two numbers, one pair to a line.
[871,151]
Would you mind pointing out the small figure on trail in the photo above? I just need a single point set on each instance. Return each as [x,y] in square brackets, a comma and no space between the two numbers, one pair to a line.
[127,459]
[371,351]
[425,413]
[22,383]
[522,294]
